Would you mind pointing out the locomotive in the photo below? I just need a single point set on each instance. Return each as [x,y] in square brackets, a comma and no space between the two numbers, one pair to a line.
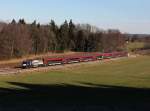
[84,57]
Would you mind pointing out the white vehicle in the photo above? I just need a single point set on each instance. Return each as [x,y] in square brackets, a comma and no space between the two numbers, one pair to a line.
[37,63]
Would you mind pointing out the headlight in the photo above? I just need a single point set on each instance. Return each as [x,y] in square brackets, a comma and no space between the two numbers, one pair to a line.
[24,65]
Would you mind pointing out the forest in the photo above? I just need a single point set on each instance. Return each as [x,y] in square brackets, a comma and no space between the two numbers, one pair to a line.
[18,38]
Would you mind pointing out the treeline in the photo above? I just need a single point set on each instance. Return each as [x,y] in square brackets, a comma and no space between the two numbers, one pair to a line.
[18,39]
[138,37]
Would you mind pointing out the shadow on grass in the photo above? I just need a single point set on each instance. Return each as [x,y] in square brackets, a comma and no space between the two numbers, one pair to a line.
[92,95]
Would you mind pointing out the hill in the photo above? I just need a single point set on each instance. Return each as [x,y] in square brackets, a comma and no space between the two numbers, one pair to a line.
[112,86]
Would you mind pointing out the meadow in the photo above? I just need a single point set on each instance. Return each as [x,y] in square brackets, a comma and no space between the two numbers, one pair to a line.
[121,84]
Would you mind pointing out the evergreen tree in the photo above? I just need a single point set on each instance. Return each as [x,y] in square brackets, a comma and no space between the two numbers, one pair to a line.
[72,36]
[63,36]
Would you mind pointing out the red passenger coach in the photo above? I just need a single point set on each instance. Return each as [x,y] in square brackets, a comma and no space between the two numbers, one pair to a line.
[53,61]
[72,59]
[88,58]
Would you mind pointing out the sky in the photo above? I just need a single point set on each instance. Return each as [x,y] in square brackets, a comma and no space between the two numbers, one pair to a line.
[129,16]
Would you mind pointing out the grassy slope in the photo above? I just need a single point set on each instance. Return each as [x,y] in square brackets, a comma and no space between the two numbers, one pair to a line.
[133,72]
[122,85]
[135,45]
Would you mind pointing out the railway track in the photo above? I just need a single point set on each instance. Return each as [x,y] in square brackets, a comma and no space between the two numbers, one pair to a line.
[6,71]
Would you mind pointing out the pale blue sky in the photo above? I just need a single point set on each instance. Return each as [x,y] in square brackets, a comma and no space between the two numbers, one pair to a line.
[131,16]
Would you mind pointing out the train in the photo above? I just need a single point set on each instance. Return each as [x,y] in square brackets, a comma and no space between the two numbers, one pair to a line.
[70,59]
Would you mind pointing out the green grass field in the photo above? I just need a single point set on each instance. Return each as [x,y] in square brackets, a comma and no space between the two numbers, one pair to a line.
[132,72]
[122,82]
